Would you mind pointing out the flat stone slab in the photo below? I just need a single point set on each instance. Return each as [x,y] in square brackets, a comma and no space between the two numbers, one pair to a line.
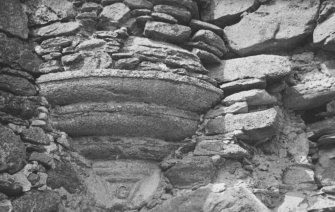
[182,14]
[210,38]
[173,33]
[243,85]
[161,52]
[269,67]
[300,97]
[113,148]
[226,12]
[279,25]
[125,119]
[138,4]
[323,34]
[254,97]
[189,4]
[57,29]
[256,126]
[206,57]
[238,107]
[198,25]
[103,85]
[224,147]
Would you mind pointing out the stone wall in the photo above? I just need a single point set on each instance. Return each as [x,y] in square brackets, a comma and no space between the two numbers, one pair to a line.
[167,105]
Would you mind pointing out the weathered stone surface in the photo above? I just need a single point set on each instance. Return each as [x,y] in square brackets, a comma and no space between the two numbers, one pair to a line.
[189,4]
[37,201]
[127,63]
[21,179]
[300,178]
[6,205]
[123,148]
[139,12]
[41,12]
[280,25]
[91,45]
[300,97]
[243,85]
[325,167]
[321,204]
[88,60]
[7,118]
[109,2]
[17,73]
[18,54]
[12,150]
[326,140]
[42,158]
[204,200]
[52,56]
[22,106]
[10,188]
[226,12]
[328,189]
[113,16]
[293,201]
[138,4]
[206,47]
[256,126]
[56,42]
[236,108]
[167,32]
[17,85]
[255,97]
[323,34]
[35,135]
[50,66]
[125,119]
[171,55]
[64,175]
[123,183]
[13,19]
[57,29]
[180,13]
[191,172]
[210,38]
[270,67]
[162,17]
[321,128]
[326,9]
[43,51]
[225,148]
[41,15]
[197,25]
[206,57]
[124,85]
[91,7]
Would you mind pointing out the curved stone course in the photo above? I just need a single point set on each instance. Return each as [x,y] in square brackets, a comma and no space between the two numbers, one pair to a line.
[103,85]
[108,147]
[125,119]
